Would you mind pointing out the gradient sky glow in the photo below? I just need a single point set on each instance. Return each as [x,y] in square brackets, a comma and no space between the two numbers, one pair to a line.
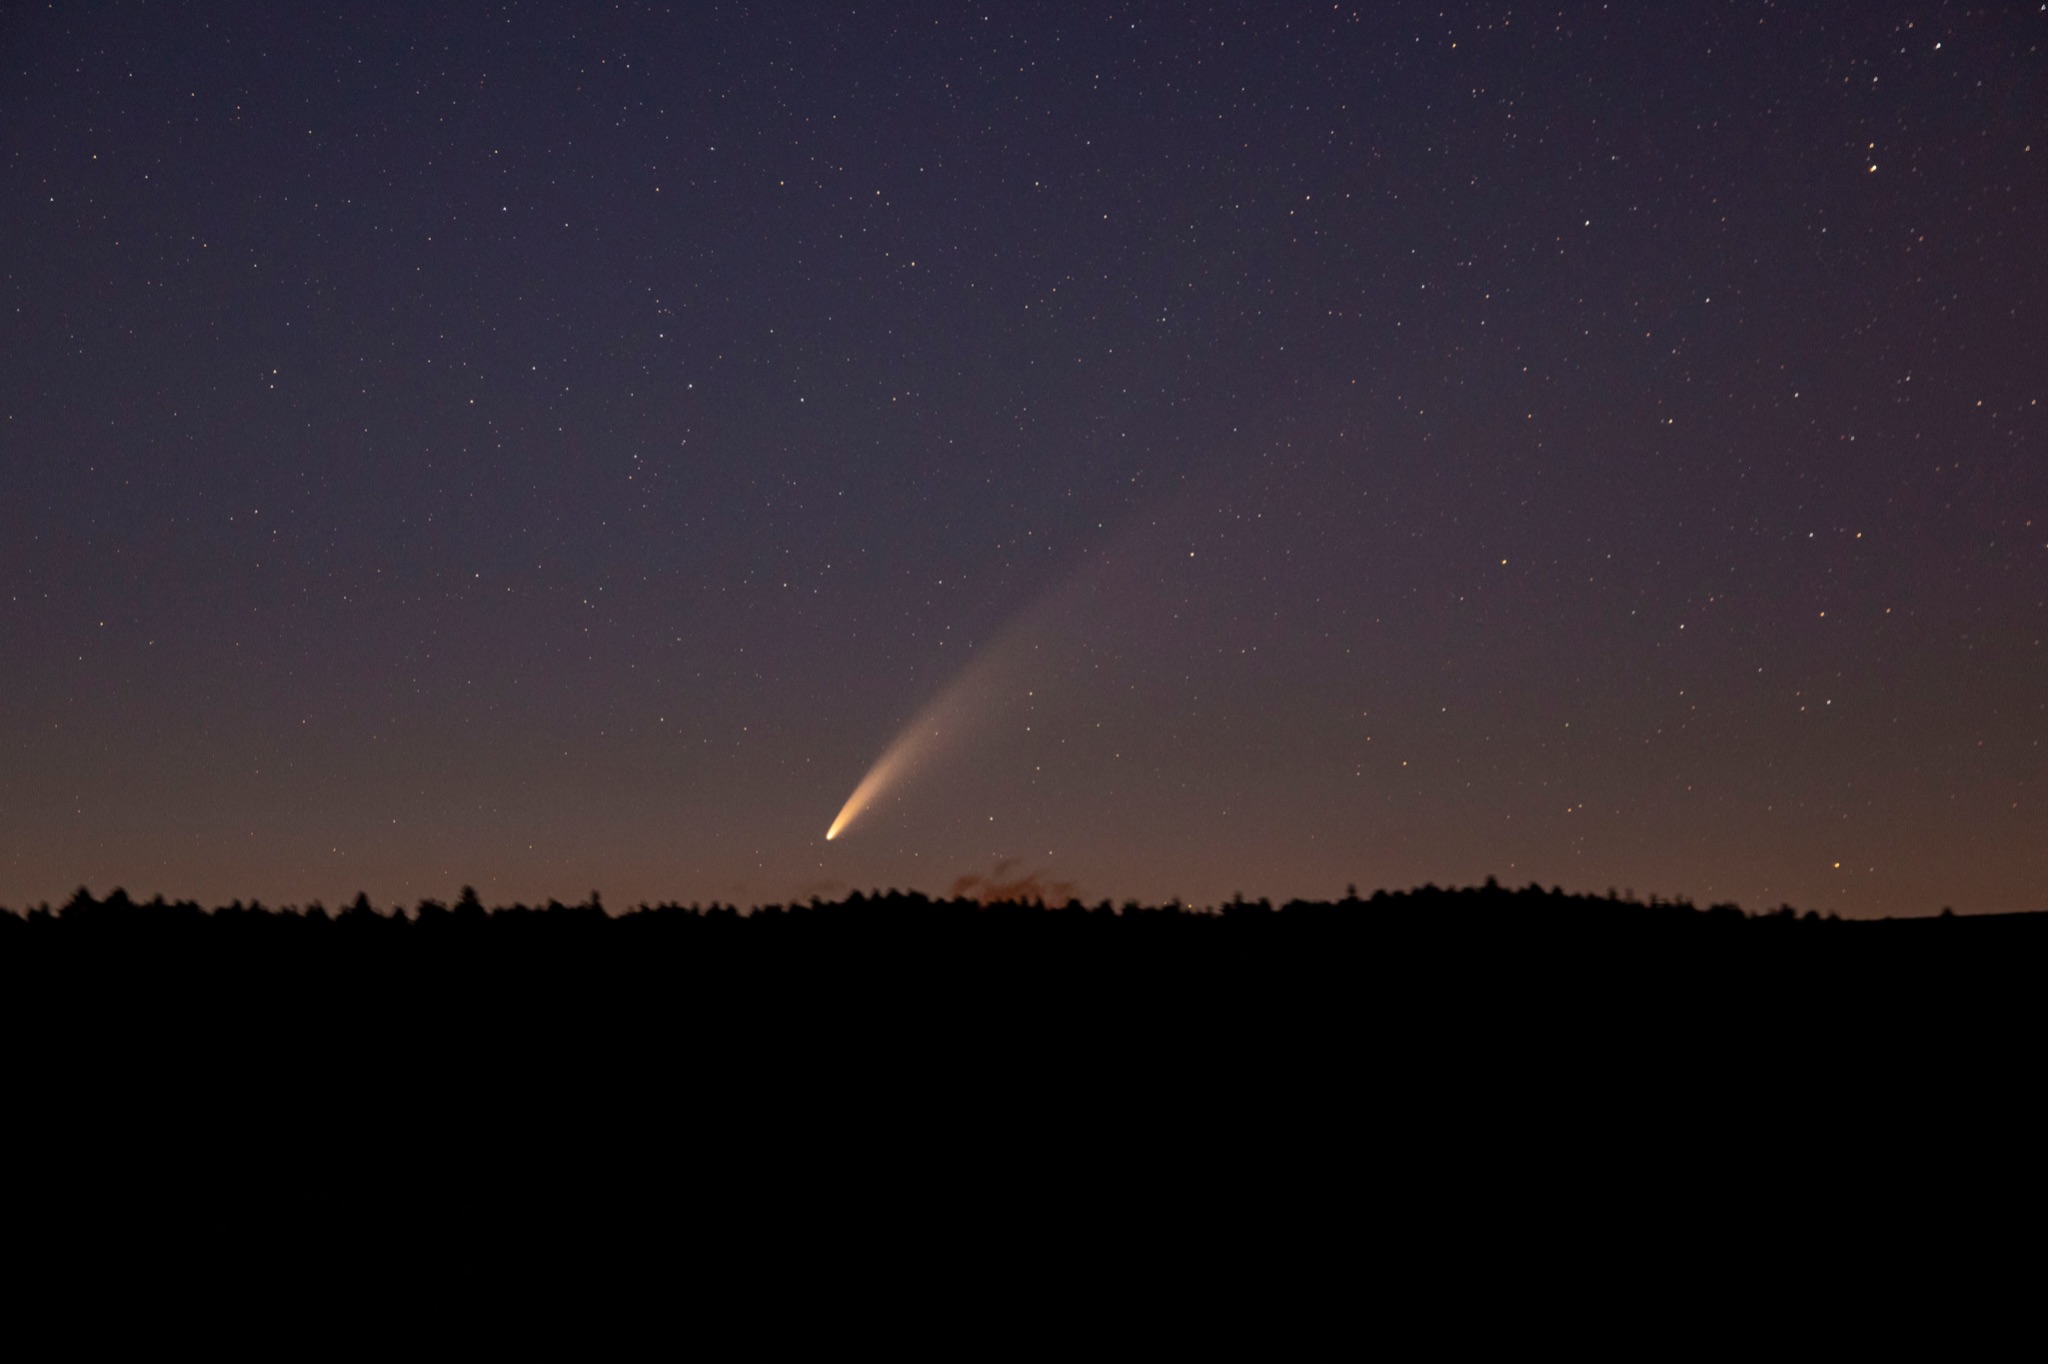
[555,447]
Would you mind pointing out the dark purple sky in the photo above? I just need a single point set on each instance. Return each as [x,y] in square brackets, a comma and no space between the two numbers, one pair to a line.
[554,446]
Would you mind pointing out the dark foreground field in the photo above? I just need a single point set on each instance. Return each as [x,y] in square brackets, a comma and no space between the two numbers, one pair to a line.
[1491,908]
[1425,963]
[1436,1059]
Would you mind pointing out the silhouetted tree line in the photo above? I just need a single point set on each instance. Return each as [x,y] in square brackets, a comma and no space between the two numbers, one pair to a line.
[1490,907]
[1487,975]
[797,1028]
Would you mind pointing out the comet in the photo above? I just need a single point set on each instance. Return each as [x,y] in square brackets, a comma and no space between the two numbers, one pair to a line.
[1106,585]
[948,716]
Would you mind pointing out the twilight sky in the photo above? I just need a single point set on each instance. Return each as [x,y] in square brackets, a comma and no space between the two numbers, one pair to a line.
[560,446]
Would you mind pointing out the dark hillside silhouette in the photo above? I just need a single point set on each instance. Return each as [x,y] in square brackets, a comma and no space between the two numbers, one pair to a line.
[490,1066]
[1301,955]
[447,1005]
[976,905]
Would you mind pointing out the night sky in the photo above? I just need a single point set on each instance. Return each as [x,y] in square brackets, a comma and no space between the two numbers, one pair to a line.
[553,447]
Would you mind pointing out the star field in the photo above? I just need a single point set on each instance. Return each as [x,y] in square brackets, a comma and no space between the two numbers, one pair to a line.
[549,447]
